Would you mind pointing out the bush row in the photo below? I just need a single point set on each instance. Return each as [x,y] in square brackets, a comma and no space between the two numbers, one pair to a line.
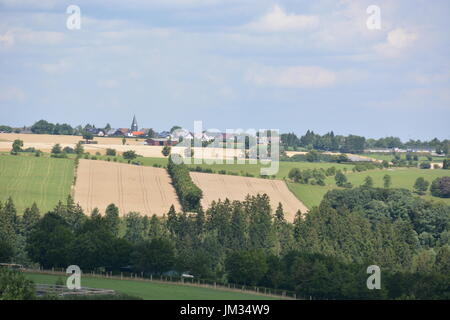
[188,193]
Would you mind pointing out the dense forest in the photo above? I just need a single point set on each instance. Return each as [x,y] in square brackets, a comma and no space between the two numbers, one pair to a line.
[323,255]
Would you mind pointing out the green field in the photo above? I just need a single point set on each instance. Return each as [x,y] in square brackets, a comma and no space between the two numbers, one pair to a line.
[389,157]
[401,178]
[153,290]
[310,195]
[253,169]
[47,180]
[29,179]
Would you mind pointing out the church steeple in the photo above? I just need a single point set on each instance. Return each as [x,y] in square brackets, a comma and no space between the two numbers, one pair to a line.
[134,125]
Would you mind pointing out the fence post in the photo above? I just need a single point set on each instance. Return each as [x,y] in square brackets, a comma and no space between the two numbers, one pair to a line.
[121,276]
[151,277]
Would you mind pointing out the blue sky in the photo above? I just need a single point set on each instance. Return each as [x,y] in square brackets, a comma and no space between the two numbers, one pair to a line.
[288,65]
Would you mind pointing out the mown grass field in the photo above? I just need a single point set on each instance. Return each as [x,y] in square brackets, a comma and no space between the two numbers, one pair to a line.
[152,290]
[29,179]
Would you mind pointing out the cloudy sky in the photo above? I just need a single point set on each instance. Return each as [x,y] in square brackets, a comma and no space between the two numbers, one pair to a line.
[290,65]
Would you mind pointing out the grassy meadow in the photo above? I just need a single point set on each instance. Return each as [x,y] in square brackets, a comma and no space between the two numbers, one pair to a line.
[29,179]
[311,195]
[152,290]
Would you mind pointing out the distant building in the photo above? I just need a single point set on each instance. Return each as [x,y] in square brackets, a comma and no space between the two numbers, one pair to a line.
[121,132]
[96,131]
[182,134]
[134,125]
[163,134]
[160,142]
[111,132]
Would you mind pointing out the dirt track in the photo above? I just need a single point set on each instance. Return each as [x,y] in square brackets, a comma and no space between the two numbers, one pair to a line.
[216,186]
[132,188]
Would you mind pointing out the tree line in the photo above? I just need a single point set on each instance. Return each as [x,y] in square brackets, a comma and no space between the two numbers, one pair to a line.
[357,144]
[188,192]
[323,254]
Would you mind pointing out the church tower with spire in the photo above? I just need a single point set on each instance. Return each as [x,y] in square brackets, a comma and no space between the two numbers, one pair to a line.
[134,125]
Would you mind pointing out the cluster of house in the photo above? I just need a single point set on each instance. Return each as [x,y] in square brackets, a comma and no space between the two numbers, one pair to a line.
[432,152]
[166,138]
[133,131]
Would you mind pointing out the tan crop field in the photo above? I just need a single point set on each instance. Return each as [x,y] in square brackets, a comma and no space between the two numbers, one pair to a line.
[62,139]
[131,188]
[217,186]
[45,142]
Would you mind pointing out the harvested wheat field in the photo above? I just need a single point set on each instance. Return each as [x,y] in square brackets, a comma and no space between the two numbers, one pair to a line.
[217,186]
[63,139]
[45,142]
[131,188]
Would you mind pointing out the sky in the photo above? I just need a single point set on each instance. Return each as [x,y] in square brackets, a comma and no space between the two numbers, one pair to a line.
[289,65]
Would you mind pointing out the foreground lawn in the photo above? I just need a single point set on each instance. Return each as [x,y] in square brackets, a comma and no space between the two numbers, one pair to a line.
[29,179]
[152,290]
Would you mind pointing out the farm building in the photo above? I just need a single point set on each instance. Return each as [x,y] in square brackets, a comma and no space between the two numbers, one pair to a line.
[122,132]
[182,134]
[164,135]
[160,142]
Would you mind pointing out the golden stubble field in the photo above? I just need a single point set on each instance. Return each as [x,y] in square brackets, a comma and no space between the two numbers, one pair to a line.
[45,142]
[217,186]
[142,189]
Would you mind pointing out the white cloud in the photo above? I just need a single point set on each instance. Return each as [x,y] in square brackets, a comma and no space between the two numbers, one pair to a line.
[108,83]
[277,20]
[56,68]
[12,94]
[415,99]
[29,36]
[292,77]
[398,40]
[431,78]
[29,4]
[7,39]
